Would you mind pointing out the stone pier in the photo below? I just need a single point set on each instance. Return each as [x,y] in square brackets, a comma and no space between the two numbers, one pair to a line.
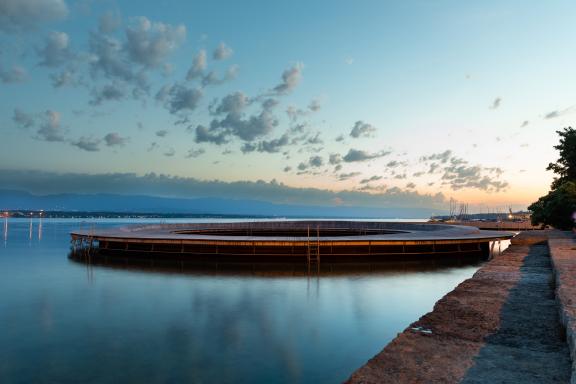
[509,323]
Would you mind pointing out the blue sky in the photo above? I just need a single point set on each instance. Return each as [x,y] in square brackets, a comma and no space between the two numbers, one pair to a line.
[422,100]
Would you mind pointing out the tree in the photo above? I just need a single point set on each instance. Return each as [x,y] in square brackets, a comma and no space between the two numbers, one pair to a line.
[565,166]
[558,207]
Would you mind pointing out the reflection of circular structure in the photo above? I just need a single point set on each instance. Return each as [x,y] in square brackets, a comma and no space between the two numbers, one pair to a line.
[269,241]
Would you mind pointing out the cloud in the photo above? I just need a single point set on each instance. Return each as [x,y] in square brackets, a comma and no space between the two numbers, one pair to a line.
[251,128]
[459,175]
[355,155]
[433,168]
[51,129]
[496,103]
[314,105]
[161,133]
[313,162]
[56,50]
[182,99]
[370,187]
[371,179]
[295,113]
[198,66]
[19,15]
[315,139]
[87,144]
[193,153]
[113,139]
[346,176]
[443,157]
[149,43]
[269,146]
[16,74]
[109,58]
[316,161]
[558,113]
[234,103]
[222,52]
[40,182]
[153,146]
[64,78]
[146,47]
[23,119]
[108,92]
[524,123]
[231,121]
[170,152]
[109,22]
[362,129]
[410,185]
[291,77]
[334,158]
[211,78]
[203,135]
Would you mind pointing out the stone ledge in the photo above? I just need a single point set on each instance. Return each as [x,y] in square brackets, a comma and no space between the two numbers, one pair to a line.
[563,254]
[499,326]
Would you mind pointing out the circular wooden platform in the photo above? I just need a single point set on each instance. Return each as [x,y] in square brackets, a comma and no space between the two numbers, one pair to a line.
[309,241]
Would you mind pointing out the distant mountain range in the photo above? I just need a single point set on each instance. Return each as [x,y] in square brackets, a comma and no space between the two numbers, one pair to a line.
[20,200]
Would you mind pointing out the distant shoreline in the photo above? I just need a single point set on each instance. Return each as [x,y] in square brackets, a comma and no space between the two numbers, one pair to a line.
[117,215]
[23,214]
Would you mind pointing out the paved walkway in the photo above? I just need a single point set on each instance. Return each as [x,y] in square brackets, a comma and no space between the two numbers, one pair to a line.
[501,326]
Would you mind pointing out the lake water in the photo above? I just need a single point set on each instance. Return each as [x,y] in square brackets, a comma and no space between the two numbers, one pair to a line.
[64,322]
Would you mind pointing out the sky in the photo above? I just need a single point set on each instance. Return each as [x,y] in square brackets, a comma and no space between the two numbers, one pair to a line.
[400,103]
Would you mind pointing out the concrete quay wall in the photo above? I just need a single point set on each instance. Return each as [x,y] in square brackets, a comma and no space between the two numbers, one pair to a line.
[563,254]
[505,324]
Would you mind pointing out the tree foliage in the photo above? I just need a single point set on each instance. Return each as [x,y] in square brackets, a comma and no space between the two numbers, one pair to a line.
[565,166]
[558,207]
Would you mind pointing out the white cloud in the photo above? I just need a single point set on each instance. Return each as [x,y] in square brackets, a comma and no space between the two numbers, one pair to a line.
[18,15]
[16,74]
[56,50]
[149,43]
[113,139]
[23,119]
[222,52]
[362,129]
[291,77]
[87,144]
[109,22]
[198,65]
[496,103]
[355,155]
[51,129]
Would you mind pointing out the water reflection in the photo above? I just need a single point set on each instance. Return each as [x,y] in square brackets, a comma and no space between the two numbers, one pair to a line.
[274,270]
[5,230]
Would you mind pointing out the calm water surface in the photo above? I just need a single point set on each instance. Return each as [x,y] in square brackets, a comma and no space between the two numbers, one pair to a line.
[62,322]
